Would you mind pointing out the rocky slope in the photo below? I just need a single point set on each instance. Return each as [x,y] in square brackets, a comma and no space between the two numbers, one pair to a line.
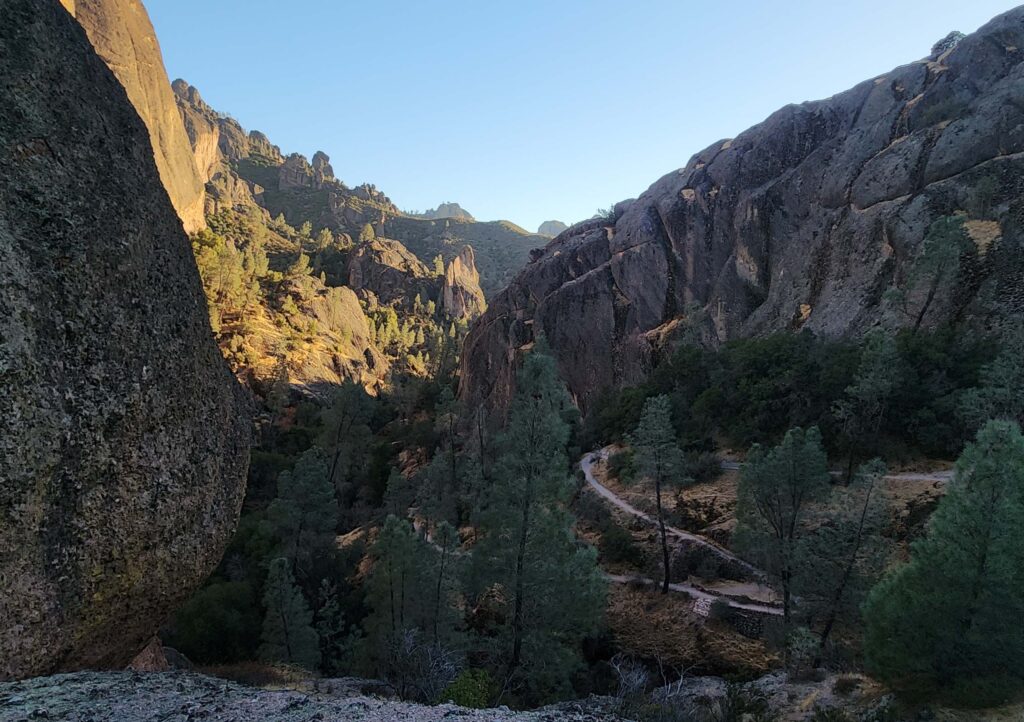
[249,170]
[123,437]
[806,221]
[123,36]
[551,228]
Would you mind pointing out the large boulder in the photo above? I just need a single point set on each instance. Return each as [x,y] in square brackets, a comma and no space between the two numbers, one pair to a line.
[123,436]
[805,221]
[122,34]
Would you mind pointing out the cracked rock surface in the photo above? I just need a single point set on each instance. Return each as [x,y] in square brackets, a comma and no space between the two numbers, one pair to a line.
[801,222]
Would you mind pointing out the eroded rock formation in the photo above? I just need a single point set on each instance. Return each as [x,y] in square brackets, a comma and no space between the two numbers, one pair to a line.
[802,222]
[123,36]
[123,436]
[461,296]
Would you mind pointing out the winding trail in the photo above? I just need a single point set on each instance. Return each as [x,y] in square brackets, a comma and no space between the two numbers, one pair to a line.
[587,466]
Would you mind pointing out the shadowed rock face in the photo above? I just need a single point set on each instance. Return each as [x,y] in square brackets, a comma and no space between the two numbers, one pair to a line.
[801,222]
[123,36]
[123,436]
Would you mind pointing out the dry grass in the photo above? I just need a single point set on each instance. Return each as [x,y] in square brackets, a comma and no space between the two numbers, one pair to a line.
[650,625]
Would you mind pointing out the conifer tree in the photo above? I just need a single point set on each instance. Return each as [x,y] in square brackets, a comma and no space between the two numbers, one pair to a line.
[949,618]
[548,589]
[659,459]
[288,634]
[304,515]
[774,496]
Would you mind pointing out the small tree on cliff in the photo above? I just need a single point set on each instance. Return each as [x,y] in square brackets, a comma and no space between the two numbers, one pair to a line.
[546,590]
[659,459]
[949,619]
[288,634]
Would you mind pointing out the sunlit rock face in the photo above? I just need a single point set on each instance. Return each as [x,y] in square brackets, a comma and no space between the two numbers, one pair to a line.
[124,38]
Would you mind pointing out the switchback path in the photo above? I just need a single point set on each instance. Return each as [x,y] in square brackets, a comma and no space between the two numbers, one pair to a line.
[587,465]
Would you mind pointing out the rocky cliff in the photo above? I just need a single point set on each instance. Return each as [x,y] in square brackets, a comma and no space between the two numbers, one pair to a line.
[806,221]
[461,296]
[123,437]
[123,36]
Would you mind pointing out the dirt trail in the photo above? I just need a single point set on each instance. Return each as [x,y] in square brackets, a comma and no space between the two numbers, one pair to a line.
[587,465]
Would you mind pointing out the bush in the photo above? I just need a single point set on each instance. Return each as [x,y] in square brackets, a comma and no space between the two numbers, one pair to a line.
[617,546]
[622,467]
[703,467]
[220,623]
[473,688]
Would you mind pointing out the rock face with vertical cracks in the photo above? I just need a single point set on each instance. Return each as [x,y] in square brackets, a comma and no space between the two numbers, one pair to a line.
[123,436]
[805,221]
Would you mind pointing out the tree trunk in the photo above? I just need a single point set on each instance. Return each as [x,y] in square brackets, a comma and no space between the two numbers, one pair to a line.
[664,538]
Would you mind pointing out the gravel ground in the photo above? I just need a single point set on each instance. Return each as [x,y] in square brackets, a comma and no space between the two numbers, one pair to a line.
[190,697]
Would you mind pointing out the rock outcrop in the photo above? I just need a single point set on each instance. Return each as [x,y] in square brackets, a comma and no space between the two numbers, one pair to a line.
[447,210]
[802,222]
[123,436]
[390,271]
[123,36]
[461,296]
[551,228]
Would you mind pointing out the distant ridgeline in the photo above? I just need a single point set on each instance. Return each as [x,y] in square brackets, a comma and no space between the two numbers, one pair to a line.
[315,282]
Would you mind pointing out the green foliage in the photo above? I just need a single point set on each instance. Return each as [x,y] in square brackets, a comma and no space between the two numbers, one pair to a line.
[472,688]
[304,515]
[775,492]
[945,242]
[617,546]
[657,457]
[1000,395]
[367,234]
[288,634]
[544,592]
[217,624]
[942,621]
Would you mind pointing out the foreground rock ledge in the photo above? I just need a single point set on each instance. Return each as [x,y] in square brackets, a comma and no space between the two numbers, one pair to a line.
[123,436]
[178,696]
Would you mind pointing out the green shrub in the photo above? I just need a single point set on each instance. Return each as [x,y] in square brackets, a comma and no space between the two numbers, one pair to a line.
[219,624]
[473,688]
[621,466]
[617,545]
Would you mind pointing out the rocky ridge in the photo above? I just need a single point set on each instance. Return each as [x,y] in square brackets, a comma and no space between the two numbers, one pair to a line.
[123,437]
[805,221]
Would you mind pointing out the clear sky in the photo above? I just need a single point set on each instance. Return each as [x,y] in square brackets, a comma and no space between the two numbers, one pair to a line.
[533,109]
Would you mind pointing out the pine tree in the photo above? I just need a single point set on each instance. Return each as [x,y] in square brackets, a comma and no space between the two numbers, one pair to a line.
[438,265]
[367,234]
[659,459]
[846,553]
[305,514]
[949,617]
[306,229]
[862,411]
[1001,392]
[774,496]
[548,589]
[288,634]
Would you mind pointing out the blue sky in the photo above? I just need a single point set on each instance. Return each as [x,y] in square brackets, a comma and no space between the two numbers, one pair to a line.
[535,109]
